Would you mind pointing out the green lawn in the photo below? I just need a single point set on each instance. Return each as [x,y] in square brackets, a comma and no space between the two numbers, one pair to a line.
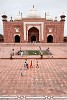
[34,52]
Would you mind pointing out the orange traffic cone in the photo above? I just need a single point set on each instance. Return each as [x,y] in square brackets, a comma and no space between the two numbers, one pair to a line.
[31,64]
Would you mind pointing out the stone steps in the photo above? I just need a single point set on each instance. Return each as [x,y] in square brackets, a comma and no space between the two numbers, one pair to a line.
[33,44]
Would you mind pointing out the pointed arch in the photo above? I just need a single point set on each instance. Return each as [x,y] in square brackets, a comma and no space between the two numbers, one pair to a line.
[50,39]
[33,35]
[17,39]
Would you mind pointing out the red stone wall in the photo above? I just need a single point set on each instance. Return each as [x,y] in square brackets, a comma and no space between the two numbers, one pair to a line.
[57,29]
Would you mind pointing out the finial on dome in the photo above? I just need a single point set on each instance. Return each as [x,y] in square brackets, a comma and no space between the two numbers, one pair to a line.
[21,15]
[56,18]
[11,17]
[19,12]
[33,6]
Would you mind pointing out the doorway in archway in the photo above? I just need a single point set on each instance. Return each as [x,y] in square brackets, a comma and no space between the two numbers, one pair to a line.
[50,39]
[33,38]
[17,39]
[33,35]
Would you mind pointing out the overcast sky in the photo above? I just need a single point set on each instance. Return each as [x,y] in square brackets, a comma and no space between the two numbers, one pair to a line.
[12,8]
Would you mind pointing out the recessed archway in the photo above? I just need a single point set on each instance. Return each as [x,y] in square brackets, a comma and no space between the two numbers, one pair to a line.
[17,38]
[50,39]
[33,35]
[33,38]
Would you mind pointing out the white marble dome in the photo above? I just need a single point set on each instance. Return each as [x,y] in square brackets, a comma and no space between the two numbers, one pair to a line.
[33,13]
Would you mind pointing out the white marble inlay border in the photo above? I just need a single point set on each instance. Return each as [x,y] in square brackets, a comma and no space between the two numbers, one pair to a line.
[49,34]
[16,34]
[38,27]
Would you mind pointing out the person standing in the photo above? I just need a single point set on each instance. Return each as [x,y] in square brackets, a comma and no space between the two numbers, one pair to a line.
[26,64]
[31,64]
[37,65]
[21,72]
[22,54]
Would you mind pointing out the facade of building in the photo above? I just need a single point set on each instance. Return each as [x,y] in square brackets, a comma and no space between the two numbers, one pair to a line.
[33,28]
[1,38]
[65,39]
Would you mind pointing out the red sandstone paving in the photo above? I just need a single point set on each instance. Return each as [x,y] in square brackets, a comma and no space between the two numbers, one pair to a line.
[49,79]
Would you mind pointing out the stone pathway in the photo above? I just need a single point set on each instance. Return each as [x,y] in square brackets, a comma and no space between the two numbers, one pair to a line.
[49,79]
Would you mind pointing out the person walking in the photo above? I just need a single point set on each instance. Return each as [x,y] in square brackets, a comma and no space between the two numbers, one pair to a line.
[21,72]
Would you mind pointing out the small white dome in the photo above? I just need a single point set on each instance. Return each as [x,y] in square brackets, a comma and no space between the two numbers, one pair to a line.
[48,17]
[18,17]
[33,13]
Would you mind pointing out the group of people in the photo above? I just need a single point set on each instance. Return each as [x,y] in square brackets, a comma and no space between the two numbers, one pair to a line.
[26,66]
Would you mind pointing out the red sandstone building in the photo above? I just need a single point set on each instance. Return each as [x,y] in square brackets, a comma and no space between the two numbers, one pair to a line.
[33,28]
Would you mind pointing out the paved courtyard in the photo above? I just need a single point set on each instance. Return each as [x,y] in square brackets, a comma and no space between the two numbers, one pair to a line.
[50,79]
